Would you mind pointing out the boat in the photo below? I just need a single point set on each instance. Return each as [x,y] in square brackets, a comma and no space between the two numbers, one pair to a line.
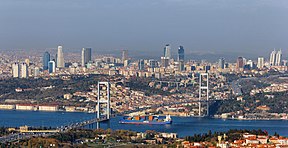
[146,120]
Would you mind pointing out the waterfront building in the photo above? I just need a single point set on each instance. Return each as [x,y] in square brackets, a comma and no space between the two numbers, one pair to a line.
[260,63]
[46,59]
[86,56]
[180,53]
[60,58]
[48,108]
[51,67]
[15,70]
[25,107]
[167,51]
[24,70]
[221,63]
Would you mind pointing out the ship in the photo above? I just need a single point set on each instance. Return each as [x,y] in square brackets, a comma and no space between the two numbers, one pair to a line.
[146,120]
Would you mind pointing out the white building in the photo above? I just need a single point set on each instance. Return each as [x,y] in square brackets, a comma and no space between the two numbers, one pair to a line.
[15,70]
[278,58]
[273,58]
[60,58]
[260,63]
[25,107]
[24,70]
[48,108]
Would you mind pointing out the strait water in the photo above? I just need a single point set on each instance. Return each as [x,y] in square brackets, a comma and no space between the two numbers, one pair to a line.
[184,126]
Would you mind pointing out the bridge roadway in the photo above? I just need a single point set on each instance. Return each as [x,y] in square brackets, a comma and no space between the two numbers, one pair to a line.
[24,135]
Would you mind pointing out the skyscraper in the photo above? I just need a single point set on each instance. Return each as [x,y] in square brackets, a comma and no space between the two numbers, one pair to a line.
[260,62]
[240,63]
[152,63]
[46,59]
[51,67]
[60,58]
[24,70]
[124,55]
[221,63]
[141,64]
[180,53]
[278,58]
[273,58]
[15,70]
[167,52]
[86,56]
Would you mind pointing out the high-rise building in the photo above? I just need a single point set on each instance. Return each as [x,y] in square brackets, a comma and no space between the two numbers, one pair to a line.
[15,70]
[260,62]
[164,62]
[60,58]
[24,70]
[86,56]
[240,63]
[152,63]
[141,64]
[180,53]
[221,63]
[278,58]
[36,71]
[273,58]
[46,59]
[167,52]
[124,55]
[51,67]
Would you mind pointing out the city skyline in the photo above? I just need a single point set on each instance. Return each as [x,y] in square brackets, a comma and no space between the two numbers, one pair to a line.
[246,30]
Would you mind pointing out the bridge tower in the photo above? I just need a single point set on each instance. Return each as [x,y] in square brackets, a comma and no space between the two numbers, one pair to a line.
[103,101]
[204,91]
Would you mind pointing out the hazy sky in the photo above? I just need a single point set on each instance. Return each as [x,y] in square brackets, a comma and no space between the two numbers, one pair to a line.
[214,26]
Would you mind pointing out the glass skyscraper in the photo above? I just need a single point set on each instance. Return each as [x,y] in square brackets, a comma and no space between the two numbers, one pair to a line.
[46,59]
[180,53]
[86,56]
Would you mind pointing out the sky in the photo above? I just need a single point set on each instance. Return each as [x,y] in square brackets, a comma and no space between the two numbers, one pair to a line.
[215,27]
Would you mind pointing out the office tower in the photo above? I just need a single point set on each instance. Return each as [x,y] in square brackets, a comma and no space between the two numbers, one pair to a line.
[51,67]
[126,63]
[278,58]
[36,71]
[46,59]
[152,63]
[273,58]
[24,70]
[221,63]
[124,55]
[181,66]
[180,54]
[60,58]
[240,63]
[167,52]
[250,63]
[141,64]
[260,63]
[15,70]
[86,56]
[164,62]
